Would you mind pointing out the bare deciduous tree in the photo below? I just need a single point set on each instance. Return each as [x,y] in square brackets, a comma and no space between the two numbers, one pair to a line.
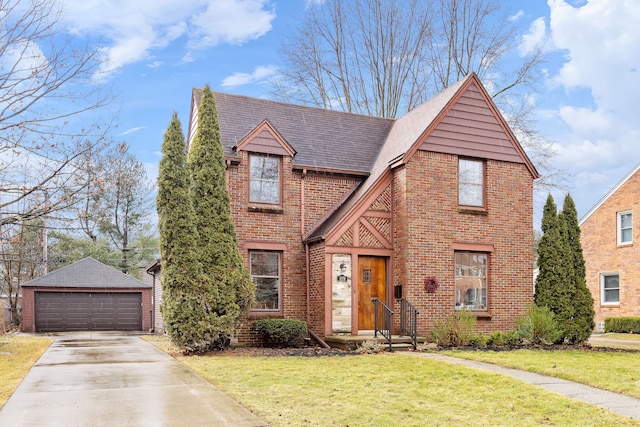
[47,105]
[384,57]
[21,260]
[127,203]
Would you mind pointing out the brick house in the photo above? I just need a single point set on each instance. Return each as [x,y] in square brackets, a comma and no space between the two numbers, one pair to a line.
[607,236]
[334,209]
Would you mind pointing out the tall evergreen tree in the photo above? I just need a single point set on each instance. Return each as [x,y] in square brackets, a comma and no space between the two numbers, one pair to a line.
[582,323]
[229,288]
[182,304]
[554,288]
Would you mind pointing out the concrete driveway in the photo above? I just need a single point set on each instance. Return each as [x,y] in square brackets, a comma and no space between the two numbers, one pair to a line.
[107,379]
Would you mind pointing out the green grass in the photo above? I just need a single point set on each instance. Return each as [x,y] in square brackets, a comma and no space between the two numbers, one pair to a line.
[383,390]
[617,372]
[17,356]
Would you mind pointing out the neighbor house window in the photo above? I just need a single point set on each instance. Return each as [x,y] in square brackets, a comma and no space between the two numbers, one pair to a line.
[610,289]
[470,182]
[471,280]
[264,179]
[264,269]
[625,228]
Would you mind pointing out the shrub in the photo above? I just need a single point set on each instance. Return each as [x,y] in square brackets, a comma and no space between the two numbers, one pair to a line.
[281,332]
[456,331]
[503,339]
[478,340]
[370,346]
[626,325]
[539,326]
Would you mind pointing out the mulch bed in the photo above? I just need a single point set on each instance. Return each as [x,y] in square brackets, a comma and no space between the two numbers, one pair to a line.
[280,352]
[319,351]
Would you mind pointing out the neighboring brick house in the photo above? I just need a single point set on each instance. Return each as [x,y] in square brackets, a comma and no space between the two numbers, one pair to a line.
[333,209]
[611,256]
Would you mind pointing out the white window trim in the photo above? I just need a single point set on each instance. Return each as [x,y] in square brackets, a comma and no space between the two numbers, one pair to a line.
[480,185]
[602,301]
[619,227]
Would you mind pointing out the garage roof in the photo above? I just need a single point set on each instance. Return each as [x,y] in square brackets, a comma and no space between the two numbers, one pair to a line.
[87,273]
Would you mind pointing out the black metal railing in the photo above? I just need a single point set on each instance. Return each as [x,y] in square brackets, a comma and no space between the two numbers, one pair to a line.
[409,321]
[382,319]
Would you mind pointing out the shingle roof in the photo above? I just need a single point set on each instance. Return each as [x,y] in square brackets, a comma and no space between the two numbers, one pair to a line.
[86,273]
[400,139]
[323,139]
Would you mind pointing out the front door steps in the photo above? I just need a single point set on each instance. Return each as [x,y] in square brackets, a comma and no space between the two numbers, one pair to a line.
[352,342]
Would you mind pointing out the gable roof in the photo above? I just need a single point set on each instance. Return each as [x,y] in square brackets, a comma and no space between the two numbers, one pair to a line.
[327,140]
[87,273]
[414,128]
[611,192]
[322,139]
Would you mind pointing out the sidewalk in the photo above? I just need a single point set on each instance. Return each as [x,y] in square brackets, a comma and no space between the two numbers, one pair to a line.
[617,403]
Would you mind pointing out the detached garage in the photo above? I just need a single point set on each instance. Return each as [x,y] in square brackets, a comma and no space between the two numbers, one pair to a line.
[86,296]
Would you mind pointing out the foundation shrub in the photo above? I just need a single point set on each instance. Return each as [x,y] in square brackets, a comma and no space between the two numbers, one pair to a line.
[503,339]
[625,325]
[455,331]
[372,346]
[282,332]
[539,327]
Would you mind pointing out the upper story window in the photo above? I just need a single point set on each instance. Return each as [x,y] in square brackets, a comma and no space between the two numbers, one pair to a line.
[610,289]
[264,179]
[625,228]
[471,182]
[471,280]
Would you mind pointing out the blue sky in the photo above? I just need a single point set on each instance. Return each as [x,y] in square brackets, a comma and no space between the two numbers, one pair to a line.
[156,51]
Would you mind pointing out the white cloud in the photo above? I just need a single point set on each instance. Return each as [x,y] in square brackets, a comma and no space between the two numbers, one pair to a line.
[132,130]
[259,74]
[535,38]
[600,45]
[230,21]
[517,16]
[132,30]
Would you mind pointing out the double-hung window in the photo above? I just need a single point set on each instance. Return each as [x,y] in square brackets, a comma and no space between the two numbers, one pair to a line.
[471,183]
[265,272]
[471,273]
[264,179]
[610,289]
[625,228]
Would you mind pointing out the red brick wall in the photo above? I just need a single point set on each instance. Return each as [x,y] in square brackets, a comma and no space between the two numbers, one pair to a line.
[321,193]
[28,310]
[317,287]
[430,220]
[283,227]
[603,255]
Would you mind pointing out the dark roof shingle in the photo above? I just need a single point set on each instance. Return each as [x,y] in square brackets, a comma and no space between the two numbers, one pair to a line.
[323,139]
[87,273]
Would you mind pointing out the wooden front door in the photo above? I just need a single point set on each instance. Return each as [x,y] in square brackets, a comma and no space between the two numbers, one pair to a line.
[372,283]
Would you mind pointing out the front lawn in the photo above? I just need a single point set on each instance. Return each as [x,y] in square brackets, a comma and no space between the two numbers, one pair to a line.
[390,389]
[614,371]
[17,356]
